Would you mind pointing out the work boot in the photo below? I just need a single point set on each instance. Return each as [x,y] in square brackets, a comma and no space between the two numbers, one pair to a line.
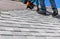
[41,12]
[55,13]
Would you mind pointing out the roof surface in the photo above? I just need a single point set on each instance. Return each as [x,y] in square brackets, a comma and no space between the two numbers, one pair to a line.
[28,24]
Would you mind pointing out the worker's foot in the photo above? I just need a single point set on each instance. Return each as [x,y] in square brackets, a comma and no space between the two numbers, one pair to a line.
[42,12]
[55,13]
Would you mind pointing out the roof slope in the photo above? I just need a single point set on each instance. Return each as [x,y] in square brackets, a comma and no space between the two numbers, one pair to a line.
[27,24]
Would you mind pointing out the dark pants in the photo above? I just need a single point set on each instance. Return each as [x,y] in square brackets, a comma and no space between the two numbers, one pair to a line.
[53,5]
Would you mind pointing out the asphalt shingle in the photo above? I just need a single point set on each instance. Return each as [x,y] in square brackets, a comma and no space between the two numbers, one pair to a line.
[27,24]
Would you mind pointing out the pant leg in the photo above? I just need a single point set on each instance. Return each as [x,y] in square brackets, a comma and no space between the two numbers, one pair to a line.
[53,5]
[37,3]
[42,4]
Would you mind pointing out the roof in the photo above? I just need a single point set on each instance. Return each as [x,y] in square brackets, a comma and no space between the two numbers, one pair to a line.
[28,24]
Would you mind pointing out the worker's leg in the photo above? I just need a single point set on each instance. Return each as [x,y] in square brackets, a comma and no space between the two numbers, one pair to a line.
[54,8]
[53,5]
[42,4]
[43,8]
[37,3]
